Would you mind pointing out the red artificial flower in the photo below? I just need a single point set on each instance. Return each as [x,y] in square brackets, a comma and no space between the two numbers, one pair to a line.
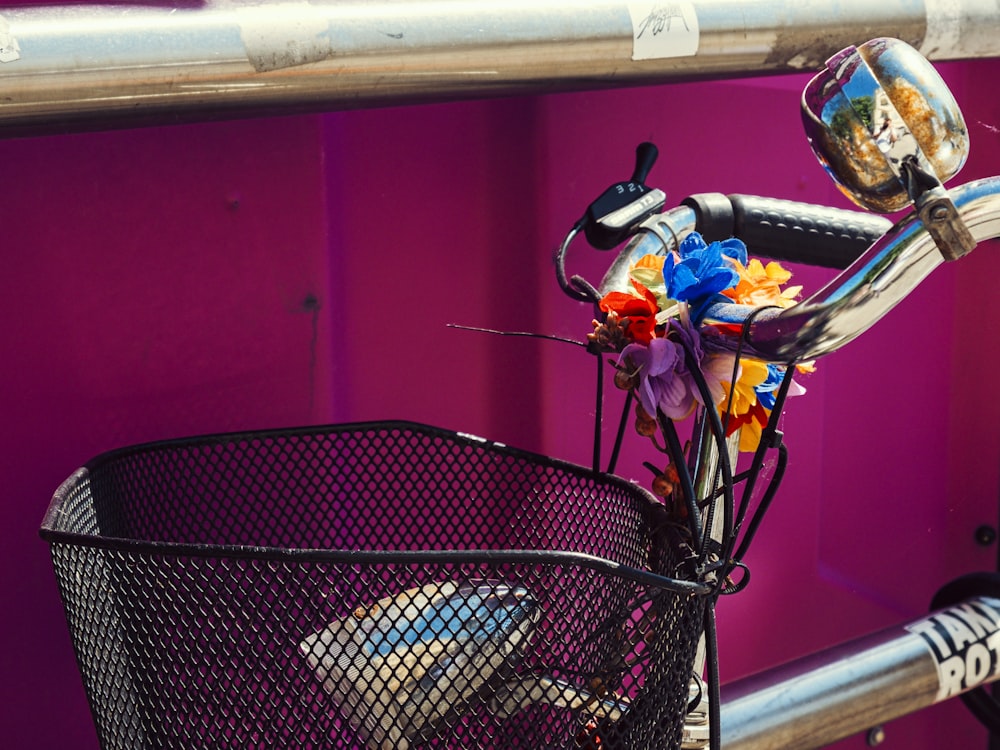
[640,311]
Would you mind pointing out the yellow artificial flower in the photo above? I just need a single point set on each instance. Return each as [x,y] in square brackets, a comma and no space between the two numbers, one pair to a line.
[648,271]
[751,374]
[747,414]
[751,428]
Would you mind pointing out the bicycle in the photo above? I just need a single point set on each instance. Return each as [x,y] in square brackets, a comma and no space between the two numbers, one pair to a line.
[430,642]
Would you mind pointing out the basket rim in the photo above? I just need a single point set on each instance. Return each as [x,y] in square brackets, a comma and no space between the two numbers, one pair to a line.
[385,425]
[52,534]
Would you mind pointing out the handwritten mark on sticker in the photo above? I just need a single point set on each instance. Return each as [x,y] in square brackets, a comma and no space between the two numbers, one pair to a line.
[663,29]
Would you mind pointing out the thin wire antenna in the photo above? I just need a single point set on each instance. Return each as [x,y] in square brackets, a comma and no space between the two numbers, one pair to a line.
[522,334]
[599,398]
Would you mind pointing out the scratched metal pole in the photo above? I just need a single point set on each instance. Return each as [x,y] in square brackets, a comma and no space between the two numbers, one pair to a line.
[818,700]
[77,67]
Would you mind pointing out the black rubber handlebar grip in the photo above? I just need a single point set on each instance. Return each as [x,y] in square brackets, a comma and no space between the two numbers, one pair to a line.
[788,230]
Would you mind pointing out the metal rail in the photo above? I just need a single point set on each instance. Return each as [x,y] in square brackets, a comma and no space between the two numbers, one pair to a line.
[112,65]
[839,692]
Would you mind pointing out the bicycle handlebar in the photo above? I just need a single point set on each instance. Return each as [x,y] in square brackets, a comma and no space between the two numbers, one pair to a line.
[776,228]
[875,282]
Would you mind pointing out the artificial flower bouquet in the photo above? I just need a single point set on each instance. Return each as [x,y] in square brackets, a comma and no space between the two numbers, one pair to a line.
[673,358]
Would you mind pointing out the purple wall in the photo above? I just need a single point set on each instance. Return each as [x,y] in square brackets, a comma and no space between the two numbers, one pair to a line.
[184,280]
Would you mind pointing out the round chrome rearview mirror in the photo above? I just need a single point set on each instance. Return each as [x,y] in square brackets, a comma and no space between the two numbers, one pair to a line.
[873,109]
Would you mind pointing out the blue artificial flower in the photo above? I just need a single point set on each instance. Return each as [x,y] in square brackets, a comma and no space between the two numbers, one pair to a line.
[702,271]
[765,391]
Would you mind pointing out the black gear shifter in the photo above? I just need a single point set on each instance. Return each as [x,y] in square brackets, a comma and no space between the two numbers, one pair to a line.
[622,207]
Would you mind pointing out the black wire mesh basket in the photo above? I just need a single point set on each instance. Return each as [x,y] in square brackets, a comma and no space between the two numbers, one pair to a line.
[379,586]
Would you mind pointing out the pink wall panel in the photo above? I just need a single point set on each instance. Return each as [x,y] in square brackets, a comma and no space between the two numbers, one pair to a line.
[434,223]
[156,283]
[256,274]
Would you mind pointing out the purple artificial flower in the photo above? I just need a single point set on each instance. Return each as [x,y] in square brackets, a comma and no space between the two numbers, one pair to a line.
[663,384]
[665,380]
[716,367]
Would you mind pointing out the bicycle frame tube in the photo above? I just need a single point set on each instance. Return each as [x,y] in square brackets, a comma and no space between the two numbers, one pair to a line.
[103,65]
[818,700]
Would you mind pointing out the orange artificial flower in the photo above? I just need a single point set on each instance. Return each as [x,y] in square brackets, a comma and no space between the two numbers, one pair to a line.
[760,285]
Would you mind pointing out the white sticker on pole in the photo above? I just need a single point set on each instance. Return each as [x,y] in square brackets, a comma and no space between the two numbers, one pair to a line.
[283,35]
[663,29]
[10,50]
[964,642]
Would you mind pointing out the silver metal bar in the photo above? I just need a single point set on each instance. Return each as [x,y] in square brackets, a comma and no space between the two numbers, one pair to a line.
[706,482]
[818,700]
[707,479]
[86,67]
